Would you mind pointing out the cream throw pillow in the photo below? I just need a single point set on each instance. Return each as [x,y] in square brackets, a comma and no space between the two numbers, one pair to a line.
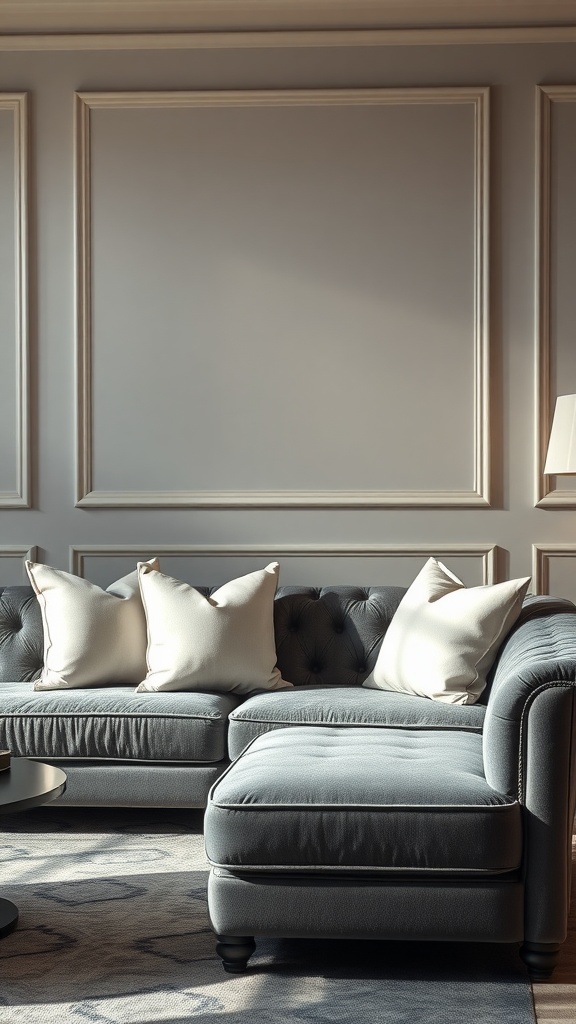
[443,638]
[92,637]
[224,642]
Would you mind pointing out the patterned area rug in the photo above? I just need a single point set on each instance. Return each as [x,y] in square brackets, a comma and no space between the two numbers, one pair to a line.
[114,930]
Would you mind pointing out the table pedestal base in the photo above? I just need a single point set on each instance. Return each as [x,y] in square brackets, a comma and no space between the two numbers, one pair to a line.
[8,917]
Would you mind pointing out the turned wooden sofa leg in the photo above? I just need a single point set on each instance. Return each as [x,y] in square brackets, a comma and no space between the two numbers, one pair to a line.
[540,958]
[235,951]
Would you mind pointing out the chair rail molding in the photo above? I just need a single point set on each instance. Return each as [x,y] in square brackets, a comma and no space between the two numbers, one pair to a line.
[478,497]
[291,39]
[546,496]
[73,16]
[541,555]
[487,553]
[17,103]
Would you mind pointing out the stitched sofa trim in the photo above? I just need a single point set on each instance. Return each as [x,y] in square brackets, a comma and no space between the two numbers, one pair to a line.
[302,869]
[440,726]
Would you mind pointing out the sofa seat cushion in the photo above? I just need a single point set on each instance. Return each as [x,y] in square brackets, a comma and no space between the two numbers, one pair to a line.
[362,800]
[345,705]
[114,723]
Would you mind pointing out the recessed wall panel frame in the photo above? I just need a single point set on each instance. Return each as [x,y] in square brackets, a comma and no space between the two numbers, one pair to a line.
[17,103]
[487,553]
[22,552]
[477,497]
[546,495]
[541,555]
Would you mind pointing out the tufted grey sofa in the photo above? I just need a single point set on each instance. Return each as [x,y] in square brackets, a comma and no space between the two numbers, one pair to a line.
[387,815]
[167,749]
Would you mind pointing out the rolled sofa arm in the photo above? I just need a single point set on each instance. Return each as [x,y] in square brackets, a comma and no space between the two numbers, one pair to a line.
[529,745]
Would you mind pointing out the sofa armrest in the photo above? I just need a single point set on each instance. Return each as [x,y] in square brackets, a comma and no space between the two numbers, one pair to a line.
[529,743]
[538,653]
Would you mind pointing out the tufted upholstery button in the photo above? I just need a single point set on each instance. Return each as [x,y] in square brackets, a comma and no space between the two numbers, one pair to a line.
[315,667]
[361,669]
[338,627]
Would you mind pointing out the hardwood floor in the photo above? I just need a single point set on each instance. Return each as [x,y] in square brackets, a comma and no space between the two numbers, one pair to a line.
[555,1000]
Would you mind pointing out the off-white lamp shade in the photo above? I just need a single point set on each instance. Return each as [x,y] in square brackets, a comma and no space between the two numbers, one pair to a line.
[561,455]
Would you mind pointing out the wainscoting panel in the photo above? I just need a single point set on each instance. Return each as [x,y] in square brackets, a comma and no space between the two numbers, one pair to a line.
[14,411]
[282,341]
[12,569]
[306,564]
[556,254]
[554,569]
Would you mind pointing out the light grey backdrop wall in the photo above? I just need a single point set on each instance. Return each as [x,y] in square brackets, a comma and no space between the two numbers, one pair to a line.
[268,332]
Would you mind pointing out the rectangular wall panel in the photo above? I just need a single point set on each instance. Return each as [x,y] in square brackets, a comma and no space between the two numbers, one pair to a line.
[280,281]
[14,427]
[554,570]
[556,254]
[300,564]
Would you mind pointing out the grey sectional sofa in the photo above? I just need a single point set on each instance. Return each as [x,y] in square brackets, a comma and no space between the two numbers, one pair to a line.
[124,748]
[416,819]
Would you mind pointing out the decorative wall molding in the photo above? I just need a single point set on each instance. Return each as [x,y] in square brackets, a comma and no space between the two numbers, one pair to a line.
[546,497]
[541,555]
[21,552]
[299,39]
[487,553]
[220,15]
[479,496]
[20,498]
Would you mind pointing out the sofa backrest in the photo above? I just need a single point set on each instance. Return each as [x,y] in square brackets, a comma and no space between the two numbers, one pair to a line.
[21,637]
[329,636]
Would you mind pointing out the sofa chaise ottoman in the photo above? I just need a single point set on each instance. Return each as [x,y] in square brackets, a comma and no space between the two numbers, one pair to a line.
[360,833]
[427,821]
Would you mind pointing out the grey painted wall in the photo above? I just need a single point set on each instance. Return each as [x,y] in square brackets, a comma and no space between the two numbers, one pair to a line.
[286,300]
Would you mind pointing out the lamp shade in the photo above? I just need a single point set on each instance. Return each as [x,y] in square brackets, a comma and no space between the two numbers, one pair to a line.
[561,455]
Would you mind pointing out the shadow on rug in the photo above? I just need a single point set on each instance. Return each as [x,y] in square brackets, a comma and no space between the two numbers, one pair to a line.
[114,930]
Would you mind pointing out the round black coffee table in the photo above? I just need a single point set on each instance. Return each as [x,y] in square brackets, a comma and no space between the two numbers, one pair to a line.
[25,784]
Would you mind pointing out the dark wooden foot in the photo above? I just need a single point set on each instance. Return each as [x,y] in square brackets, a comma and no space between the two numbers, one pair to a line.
[8,917]
[540,958]
[235,951]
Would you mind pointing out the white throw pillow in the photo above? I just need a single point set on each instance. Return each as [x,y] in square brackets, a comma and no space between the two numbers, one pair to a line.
[224,642]
[443,638]
[92,637]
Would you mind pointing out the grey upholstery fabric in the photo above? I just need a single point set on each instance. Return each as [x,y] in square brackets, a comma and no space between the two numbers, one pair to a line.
[21,637]
[548,791]
[114,723]
[299,907]
[98,784]
[339,705]
[345,799]
[540,650]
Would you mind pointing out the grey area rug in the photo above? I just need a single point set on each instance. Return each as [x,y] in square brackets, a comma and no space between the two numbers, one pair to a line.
[114,930]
